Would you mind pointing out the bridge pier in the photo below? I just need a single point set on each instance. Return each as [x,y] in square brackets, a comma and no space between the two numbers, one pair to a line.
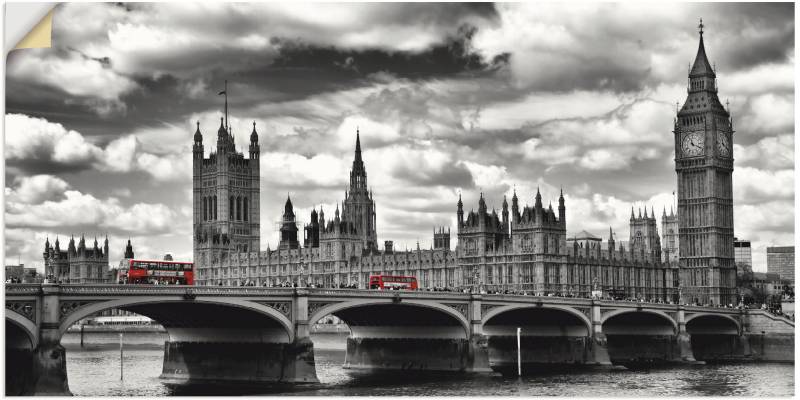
[48,372]
[187,363]
[599,341]
[478,349]
[418,339]
[683,341]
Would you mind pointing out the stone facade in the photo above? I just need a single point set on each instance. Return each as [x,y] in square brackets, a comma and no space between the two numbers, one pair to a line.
[226,191]
[669,230]
[703,132]
[523,249]
[77,264]
[517,249]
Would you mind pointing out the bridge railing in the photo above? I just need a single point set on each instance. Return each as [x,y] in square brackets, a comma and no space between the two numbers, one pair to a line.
[386,293]
[23,288]
[164,290]
[536,299]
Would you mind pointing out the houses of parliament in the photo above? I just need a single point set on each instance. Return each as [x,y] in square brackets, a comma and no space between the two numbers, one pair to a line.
[523,248]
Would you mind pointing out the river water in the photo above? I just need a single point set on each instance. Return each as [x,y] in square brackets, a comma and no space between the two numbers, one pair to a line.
[95,371]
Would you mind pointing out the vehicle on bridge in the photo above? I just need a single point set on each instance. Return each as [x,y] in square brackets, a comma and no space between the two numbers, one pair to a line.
[392,282]
[158,273]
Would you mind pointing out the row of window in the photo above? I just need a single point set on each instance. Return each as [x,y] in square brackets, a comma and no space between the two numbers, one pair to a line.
[238,207]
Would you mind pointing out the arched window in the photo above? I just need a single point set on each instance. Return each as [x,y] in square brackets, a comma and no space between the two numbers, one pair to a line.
[215,207]
[205,209]
[238,208]
[230,207]
[245,209]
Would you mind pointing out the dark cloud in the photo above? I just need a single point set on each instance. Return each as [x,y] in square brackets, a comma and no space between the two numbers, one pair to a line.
[448,175]
[475,96]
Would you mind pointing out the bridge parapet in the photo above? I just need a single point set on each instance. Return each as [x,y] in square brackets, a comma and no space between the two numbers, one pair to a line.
[23,289]
[321,292]
[167,290]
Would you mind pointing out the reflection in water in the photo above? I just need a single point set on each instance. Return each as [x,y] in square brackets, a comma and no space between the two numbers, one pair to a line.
[95,372]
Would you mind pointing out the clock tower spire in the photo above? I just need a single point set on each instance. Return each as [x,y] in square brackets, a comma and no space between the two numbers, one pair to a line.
[704,166]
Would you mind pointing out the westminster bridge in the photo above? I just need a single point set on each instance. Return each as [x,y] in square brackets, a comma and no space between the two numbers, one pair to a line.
[255,335]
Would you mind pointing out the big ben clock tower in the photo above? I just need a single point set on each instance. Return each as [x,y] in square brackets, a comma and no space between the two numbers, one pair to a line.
[704,164]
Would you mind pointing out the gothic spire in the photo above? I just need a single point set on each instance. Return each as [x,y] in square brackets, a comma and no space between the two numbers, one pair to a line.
[701,66]
[129,250]
[254,134]
[358,144]
[288,208]
[222,132]
[198,137]
[538,203]
[358,174]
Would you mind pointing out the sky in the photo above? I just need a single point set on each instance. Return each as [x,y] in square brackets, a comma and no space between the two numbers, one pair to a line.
[449,98]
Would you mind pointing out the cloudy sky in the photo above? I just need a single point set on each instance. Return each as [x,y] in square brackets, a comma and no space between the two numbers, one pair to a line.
[448,98]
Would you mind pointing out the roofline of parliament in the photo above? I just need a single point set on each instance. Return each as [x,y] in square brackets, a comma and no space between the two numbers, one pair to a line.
[528,240]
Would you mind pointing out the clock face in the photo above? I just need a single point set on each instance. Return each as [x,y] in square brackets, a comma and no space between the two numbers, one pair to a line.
[723,144]
[693,144]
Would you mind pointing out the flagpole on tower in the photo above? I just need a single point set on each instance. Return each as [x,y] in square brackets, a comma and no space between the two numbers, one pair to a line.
[225,92]
[226,103]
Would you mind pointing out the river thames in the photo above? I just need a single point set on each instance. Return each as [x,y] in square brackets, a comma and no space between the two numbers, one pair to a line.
[95,371]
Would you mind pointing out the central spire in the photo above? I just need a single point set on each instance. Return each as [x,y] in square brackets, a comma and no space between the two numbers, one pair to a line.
[358,148]
[358,174]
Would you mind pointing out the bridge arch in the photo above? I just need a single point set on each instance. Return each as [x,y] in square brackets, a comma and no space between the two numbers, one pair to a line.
[165,310]
[514,307]
[620,313]
[25,327]
[707,323]
[427,311]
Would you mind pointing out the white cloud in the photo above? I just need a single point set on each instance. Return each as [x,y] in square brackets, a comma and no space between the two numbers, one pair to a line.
[78,209]
[767,113]
[29,138]
[36,189]
[75,74]
[774,152]
[756,186]
[36,138]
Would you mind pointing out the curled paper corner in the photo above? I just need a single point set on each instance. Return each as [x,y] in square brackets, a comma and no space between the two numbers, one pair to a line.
[40,36]
[27,25]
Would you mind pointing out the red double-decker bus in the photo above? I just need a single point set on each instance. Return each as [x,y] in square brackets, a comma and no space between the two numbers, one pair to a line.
[392,282]
[158,273]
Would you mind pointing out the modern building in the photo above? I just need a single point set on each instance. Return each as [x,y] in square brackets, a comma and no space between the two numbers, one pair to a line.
[77,264]
[703,134]
[742,255]
[780,260]
[15,272]
[31,275]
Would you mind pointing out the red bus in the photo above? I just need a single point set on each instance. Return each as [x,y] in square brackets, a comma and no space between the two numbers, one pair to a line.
[159,273]
[392,282]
